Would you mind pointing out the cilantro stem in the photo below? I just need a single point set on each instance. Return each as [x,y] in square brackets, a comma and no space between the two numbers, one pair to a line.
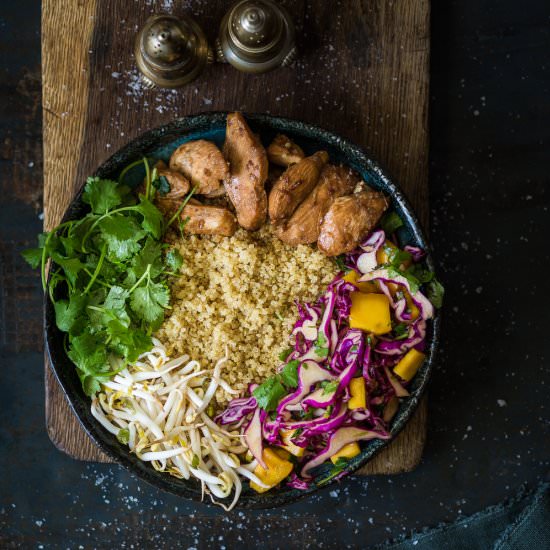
[182,206]
[147,178]
[45,250]
[97,270]
[98,280]
[140,280]
[128,168]
[154,176]
[106,215]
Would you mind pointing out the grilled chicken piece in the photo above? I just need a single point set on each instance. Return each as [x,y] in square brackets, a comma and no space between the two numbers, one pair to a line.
[304,225]
[179,184]
[248,166]
[349,220]
[284,152]
[203,164]
[203,219]
[294,186]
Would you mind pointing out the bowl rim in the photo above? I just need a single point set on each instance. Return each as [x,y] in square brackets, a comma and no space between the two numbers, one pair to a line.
[186,125]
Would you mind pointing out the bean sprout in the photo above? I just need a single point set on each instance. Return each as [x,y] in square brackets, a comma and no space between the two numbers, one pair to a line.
[157,406]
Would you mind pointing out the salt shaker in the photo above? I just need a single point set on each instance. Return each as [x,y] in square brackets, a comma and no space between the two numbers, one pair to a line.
[171,51]
[256,36]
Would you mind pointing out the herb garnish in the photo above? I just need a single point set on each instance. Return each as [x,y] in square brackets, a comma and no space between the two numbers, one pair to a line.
[162,185]
[112,269]
[336,469]
[329,386]
[391,222]
[435,293]
[285,353]
[123,436]
[269,393]
[289,374]
[340,262]
[321,345]
[401,331]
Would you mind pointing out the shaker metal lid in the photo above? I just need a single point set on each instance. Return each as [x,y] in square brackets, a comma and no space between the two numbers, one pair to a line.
[255,26]
[256,36]
[171,51]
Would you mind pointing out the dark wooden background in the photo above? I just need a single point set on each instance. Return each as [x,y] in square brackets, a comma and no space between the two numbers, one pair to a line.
[488,404]
[362,73]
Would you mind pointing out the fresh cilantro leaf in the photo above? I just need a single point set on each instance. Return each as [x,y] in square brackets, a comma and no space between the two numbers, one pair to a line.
[128,342]
[398,257]
[89,354]
[70,244]
[162,185]
[71,266]
[435,293]
[152,217]
[149,255]
[329,386]
[285,353]
[70,315]
[79,230]
[116,298]
[111,315]
[289,374]
[104,195]
[121,233]
[269,393]
[391,222]
[123,436]
[112,263]
[174,260]
[149,301]
[90,384]
[33,256]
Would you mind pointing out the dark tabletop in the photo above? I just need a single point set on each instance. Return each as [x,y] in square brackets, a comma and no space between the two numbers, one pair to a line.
[489,421]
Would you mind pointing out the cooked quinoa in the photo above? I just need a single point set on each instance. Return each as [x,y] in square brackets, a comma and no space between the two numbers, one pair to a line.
[239,292]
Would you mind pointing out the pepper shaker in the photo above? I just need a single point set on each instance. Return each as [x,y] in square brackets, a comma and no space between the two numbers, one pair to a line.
[171,51]
[256,36]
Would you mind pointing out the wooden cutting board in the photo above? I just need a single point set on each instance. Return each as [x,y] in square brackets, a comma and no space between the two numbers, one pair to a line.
[363,72]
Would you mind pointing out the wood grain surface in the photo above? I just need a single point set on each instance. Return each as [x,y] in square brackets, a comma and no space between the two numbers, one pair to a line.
[363,72]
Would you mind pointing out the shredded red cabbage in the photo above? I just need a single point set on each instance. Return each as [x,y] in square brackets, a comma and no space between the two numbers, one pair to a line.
[330,354]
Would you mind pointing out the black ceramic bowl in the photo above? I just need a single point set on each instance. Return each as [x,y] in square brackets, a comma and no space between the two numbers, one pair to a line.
[160,143]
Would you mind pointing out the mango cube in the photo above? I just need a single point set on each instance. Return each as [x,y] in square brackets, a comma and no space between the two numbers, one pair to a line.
[289,446]
[347,451]
[358,392]
[383,253]
[409,364]
[277,469]
[370,312]
[366,286]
